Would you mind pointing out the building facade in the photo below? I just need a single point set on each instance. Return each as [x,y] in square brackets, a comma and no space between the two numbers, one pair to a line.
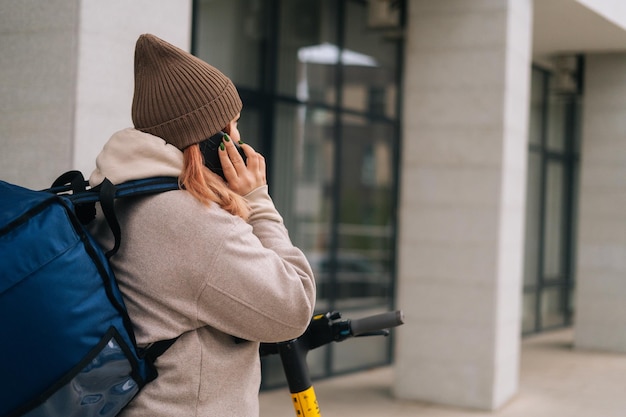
[463,161]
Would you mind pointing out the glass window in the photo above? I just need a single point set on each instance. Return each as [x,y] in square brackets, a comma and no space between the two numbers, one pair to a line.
[533,219]
[364,256]
[248,127]
[552,307]
[320,89]
[536,107]
[304,190]
[307,50]
[554,137]
[556,124]
[553,228]
[529,317]
[231,35]
[369,66]
[302,181]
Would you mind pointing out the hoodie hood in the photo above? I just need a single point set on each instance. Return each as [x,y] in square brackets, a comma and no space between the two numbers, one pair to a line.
[131,154]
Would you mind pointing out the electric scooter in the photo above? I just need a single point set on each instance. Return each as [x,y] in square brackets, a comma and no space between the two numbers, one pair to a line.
[323,329]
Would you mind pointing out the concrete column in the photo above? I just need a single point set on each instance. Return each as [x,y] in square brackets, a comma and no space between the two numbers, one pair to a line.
[66,78]
[601,261]
[37,85]
[462,203]
[105,79]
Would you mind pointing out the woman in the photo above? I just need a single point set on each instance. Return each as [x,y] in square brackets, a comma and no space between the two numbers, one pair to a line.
[212,262]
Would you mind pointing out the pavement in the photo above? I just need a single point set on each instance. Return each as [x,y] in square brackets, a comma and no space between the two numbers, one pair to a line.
[556,380]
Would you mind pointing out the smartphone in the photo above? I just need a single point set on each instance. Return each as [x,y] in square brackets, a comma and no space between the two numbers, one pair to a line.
[210,148]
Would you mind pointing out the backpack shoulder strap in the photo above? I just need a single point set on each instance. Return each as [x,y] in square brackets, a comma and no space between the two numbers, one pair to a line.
[84,199]
[131,188]
[107,192]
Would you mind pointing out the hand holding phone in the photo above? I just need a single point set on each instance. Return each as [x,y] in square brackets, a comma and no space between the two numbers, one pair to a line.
[210,148]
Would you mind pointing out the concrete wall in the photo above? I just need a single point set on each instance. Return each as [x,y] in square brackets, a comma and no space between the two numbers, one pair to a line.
[105,66]
[462,200]
[600,320]
[67,78]
[39,45]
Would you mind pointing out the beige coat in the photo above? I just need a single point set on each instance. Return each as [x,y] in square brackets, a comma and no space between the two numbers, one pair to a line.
[200,272]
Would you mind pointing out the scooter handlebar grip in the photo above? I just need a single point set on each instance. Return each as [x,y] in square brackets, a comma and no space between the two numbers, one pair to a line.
[376,322]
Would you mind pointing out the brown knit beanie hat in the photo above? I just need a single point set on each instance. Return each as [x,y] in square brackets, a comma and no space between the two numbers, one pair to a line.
[179,97]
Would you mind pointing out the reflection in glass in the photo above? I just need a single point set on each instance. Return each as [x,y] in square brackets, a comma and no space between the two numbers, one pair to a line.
[552,308]
[553,233]
[316,74]
[230,36]
[364,256]
[552,185]
[320,86]
[533,219]
[305,23]
[529,317]
[371,87]
[555,139]
[304,190]
[535,131]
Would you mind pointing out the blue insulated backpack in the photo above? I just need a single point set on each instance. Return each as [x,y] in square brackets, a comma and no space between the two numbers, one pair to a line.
[67,346]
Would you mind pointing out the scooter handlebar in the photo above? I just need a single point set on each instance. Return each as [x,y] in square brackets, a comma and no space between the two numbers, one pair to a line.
[376,322]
